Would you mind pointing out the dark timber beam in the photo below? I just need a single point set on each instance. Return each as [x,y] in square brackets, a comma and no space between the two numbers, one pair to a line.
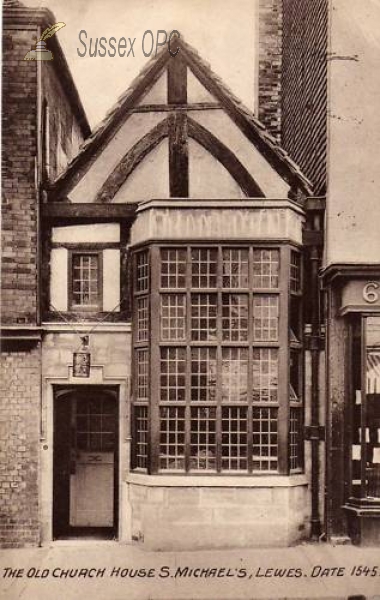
[178,156]
[88,211]
[224,155]
[178,146]
[131,160]
[177,80]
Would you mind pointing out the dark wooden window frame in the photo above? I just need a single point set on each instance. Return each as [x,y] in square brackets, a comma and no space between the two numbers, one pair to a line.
[284,345]
[84,250]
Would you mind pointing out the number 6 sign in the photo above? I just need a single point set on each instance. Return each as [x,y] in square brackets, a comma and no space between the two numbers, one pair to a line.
[370,294]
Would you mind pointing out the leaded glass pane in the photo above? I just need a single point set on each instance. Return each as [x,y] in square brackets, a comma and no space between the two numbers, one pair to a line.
[85,280]
[265,375]
[234,374]
[141,425]
[264,439]
[95,427]
[203,439]
[172,438]
[142,319]
[173,374]
[295,271]
[203,317]
[265,318]
[295,375]
[203,374]
[266,264]
[173,317]
[295,439]
[142,374]
[142,271]
[173,268]
[235,317]
[235,268]
[234,439]
[203,267]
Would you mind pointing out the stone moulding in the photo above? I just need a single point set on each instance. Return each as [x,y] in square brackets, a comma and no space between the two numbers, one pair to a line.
[250,220]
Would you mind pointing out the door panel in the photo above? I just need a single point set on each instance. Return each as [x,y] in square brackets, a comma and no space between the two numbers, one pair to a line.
[91,490]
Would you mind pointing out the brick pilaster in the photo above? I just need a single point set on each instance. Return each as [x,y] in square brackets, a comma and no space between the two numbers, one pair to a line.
[270,65]
[19,196]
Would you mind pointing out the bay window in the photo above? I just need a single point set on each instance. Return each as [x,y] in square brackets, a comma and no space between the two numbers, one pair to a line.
[217,359]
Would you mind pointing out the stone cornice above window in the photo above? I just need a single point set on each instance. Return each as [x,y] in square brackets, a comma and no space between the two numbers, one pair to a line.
[218,220]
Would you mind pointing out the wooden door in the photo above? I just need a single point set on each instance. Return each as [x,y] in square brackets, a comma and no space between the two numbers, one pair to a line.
[86,461]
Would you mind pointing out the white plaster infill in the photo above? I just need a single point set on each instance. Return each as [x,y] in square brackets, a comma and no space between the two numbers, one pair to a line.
[97,232]
[213,220]
[218,481]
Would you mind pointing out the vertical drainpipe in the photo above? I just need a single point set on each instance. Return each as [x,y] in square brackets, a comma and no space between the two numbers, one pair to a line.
[314,424]
[38,178]
[38,186]
[38,163]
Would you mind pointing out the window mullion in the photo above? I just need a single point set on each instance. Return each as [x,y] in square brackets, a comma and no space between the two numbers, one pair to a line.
[188,361]
[250,363]
[283,364]
[219,363]
[134,369]
[100,280]
[154,359]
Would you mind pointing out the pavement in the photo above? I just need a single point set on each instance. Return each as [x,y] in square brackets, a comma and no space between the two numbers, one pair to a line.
[107,570]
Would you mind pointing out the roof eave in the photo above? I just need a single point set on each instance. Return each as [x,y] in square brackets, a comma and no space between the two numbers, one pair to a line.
[28,17]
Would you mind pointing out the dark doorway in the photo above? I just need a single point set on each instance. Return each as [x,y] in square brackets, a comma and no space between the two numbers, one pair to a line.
[85,462]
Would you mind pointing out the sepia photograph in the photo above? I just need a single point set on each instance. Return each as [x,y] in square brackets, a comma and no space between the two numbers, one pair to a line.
[190,300]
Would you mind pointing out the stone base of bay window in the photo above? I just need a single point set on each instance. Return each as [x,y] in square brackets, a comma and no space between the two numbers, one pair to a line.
[188,513]
[363,524]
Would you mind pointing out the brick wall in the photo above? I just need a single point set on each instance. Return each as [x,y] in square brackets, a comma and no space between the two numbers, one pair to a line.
[19,139]
[269,65]
[20,361]
[19,364]
[19,440]
[292,86]
[304,87]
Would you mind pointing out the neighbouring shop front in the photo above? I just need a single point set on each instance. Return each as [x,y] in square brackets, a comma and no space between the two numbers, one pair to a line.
[354,375]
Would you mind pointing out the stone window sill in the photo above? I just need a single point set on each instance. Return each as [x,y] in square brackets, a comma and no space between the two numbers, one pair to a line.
[222,481]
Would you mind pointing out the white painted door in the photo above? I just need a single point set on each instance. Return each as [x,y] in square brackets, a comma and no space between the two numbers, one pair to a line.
[91,490]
